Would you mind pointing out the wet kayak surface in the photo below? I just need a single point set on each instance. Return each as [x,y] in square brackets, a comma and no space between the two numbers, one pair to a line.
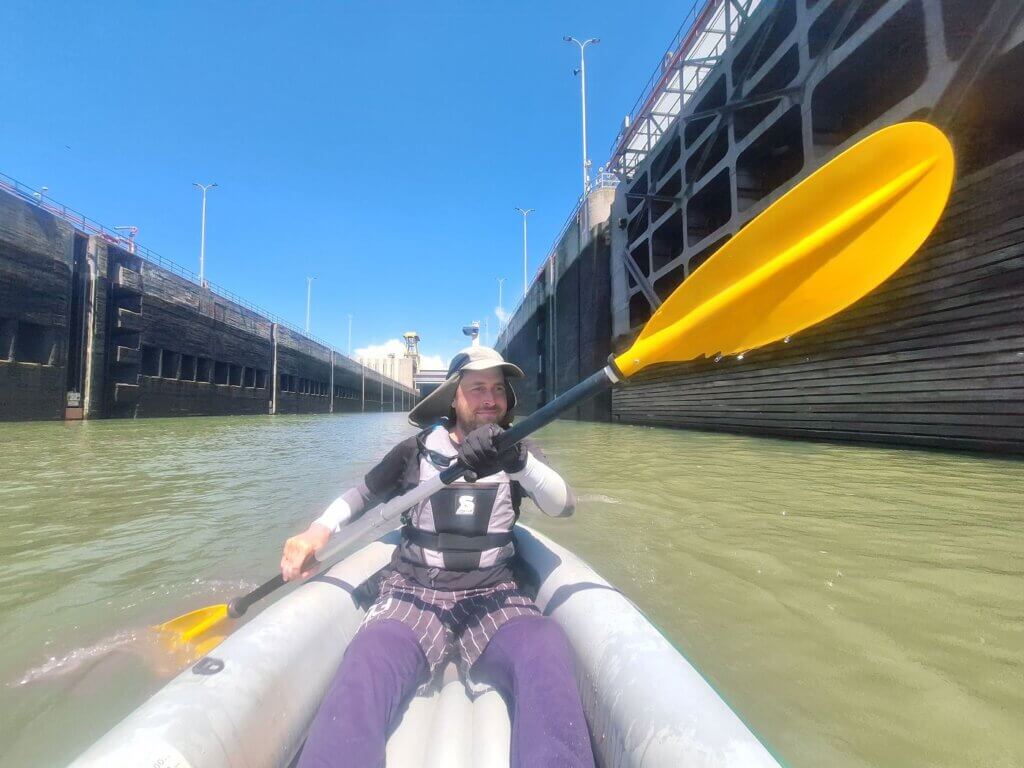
[855,605]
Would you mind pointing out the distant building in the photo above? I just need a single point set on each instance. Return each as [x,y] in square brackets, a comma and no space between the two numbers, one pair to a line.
[428,380]
[402,369]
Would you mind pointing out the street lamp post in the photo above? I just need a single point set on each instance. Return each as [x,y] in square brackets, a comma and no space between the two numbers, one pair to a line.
[202,236]
[501,309]
[582,72]
[527,212]
[309,294]
[391,367]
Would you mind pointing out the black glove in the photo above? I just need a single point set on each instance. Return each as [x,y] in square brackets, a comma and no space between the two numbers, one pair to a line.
[479,452]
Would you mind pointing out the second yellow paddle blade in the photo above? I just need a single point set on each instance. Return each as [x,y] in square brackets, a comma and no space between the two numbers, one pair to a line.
[189,626]
[815,251]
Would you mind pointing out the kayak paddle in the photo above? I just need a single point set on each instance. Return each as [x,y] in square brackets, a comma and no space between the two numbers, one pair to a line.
[816,250]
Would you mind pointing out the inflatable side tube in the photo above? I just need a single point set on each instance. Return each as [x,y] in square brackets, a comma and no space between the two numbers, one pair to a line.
[646,705]
[250,702]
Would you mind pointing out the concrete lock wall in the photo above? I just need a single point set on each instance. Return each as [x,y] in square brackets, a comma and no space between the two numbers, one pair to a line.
[561,332]
[176,349]
[930,358]
[37,254]
[89,330]
[933,357]
[304,374]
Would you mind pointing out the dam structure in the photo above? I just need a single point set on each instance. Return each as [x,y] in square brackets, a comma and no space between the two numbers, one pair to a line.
[92,325]
[750,98]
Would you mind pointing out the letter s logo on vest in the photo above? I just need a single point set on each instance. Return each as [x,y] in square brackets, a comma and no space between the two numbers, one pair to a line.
[467,506]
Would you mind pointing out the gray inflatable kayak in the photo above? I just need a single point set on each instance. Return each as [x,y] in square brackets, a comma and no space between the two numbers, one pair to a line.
[249,703]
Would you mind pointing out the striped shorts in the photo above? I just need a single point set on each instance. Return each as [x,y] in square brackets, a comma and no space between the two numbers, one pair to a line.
[449,624]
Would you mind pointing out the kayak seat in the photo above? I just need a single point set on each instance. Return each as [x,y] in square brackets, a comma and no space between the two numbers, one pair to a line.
[445,728]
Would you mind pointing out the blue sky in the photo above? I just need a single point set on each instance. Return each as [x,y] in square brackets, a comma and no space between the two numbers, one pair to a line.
[380,146]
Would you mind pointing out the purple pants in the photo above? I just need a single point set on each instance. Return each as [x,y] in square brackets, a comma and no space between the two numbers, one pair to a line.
[528,661]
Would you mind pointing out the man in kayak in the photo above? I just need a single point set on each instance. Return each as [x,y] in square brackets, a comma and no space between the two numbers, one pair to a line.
[449,592]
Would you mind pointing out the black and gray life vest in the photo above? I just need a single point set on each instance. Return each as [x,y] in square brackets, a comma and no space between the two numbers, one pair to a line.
[465,526]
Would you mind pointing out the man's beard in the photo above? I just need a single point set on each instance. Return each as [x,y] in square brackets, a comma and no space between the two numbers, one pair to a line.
[474,421]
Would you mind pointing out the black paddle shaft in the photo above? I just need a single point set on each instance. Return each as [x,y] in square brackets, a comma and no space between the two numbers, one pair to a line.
[586,389]
[240,605]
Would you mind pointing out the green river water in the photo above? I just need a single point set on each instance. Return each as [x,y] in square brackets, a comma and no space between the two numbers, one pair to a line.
[857,606]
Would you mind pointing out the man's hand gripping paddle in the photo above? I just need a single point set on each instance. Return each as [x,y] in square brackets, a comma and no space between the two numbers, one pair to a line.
[819,248]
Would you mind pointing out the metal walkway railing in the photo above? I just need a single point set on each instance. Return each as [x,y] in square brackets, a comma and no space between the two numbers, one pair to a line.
[694,51]
[90,227]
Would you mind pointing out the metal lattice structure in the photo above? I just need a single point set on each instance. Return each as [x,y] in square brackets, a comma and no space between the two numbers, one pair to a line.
[750,100]
[696,50]
[755,98]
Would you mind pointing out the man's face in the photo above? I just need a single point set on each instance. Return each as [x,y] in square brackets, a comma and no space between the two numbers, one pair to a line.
[480,399]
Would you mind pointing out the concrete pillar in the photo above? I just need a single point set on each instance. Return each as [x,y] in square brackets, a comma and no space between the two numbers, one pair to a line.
[331,407]
[362,376]
[275,380]
[553,325]
[382,393]
[89,298]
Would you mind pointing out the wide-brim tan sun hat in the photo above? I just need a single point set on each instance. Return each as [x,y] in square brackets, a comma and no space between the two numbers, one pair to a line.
[438,404]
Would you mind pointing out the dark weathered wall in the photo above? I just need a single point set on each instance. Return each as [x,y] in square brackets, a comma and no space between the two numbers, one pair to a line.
[378,397]
[524,349]
[309,364]
[934,357]
[583,331]
[562,331]
[146,341]
[36,260]
[185,337]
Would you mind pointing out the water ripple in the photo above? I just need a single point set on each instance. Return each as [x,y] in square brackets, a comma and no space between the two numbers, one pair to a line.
[859,606]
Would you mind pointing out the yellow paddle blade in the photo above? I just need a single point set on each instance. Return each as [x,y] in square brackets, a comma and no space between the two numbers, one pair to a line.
[815,251]
[207,644]
[187,627]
